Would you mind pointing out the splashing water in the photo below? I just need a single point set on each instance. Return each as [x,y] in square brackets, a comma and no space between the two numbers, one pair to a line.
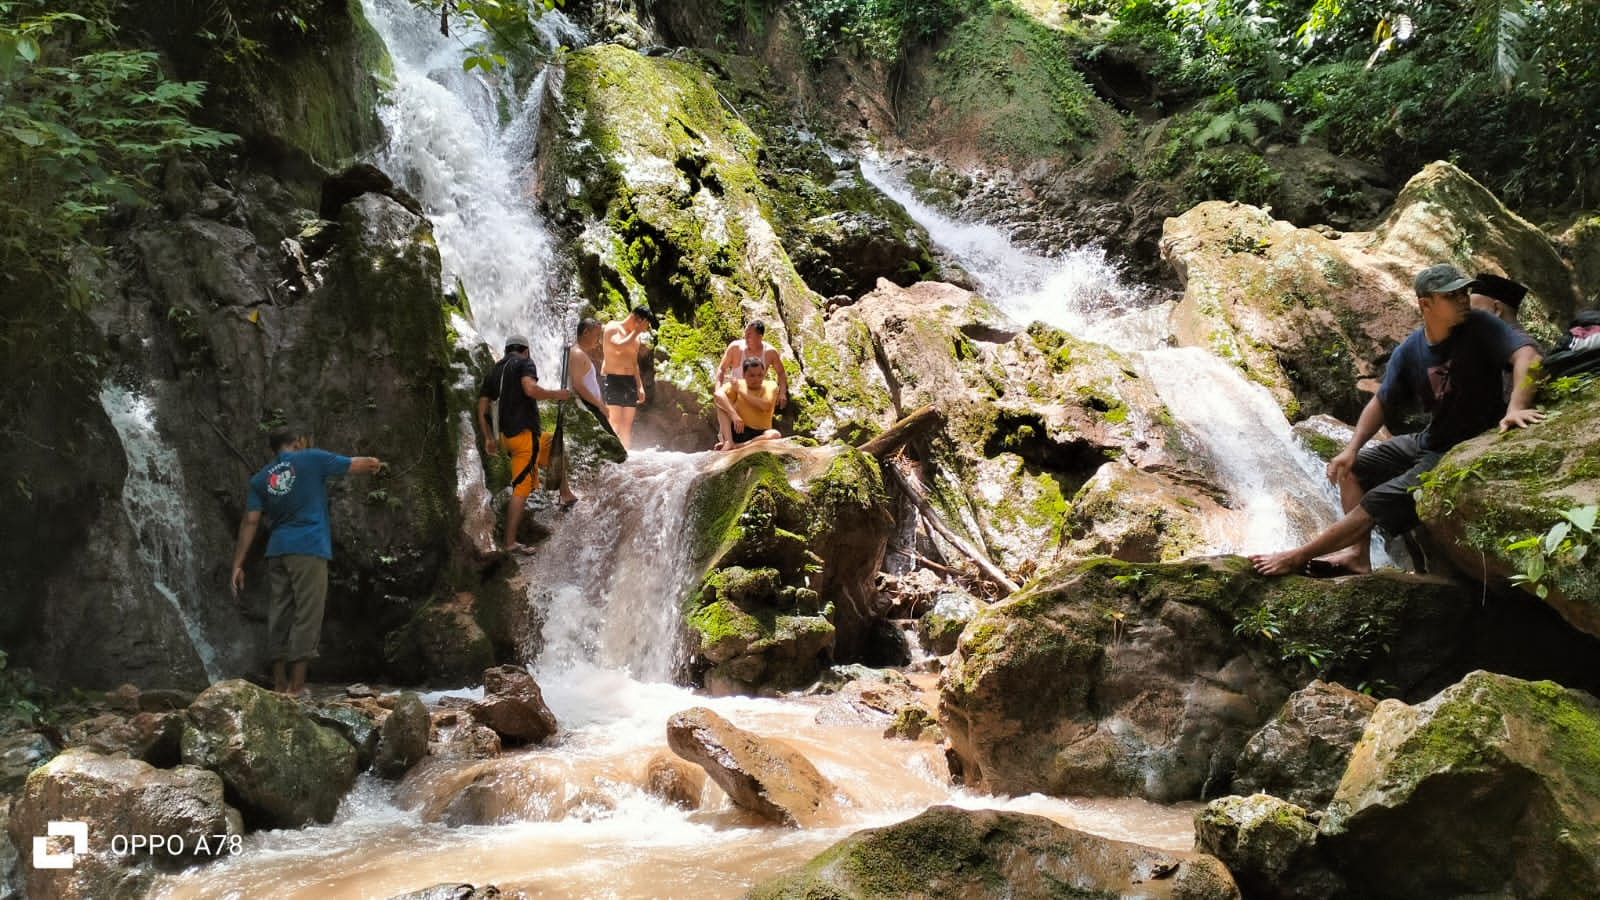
[153,501]
[1276,481]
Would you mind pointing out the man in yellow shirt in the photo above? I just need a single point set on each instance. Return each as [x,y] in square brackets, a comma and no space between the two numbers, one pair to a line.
[747,406]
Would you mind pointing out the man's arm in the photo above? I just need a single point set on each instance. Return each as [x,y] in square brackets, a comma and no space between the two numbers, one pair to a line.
[365,465]
[783,378]
[1371,420]
[1520,412]
[489,437]
[533,389]
[723,398]
[731,361]
[578,366]
[247,536]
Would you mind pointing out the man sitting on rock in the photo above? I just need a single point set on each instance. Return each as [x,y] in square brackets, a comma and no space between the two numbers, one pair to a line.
[292,493]
[745,407]
[753,344]
[1452,367]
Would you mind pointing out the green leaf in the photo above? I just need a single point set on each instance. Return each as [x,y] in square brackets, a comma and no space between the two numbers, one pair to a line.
[1583,517]
[27,48]
[1552,539]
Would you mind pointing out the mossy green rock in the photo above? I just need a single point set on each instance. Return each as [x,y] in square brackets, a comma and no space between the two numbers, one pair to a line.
[1308,316]
[1500,488]
[1158,675]
[284,769]
[788,570]
[949,852]
[1491,788]
[1269,845]
[443,644]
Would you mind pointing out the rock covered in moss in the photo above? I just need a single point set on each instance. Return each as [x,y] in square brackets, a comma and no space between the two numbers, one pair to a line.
[950,852]
[765,776]
[285,770]
[1138,516]
[1269,845]
[113,797]
[1490,787]
[1158,675]
[403,736]
[1497,489]
[1300,755]
[442,644]
[1308,316]
[788,570]
[940,627]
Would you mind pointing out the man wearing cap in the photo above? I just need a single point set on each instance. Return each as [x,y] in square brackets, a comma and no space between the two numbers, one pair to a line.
[621,381]
[1451,367]
[1497,296]
[513,386]
[291,492]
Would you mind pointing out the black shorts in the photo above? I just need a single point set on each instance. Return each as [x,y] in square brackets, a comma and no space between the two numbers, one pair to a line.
[747,435]
[1387,472]
[620,390]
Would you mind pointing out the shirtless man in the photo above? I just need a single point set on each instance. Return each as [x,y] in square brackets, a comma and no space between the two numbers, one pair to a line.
[622,385]
[746,405]
[728,371]
[584,375]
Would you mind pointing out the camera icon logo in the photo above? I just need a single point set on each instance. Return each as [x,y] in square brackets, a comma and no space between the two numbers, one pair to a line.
[44,859]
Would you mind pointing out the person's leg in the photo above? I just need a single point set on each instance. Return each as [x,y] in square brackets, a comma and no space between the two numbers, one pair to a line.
[280,616]
[1353,527]
[724,429]
[521,448]
[624,424]
[310,577]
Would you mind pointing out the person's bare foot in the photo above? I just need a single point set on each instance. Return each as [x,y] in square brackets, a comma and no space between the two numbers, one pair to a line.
[1287,562]
[1351,562]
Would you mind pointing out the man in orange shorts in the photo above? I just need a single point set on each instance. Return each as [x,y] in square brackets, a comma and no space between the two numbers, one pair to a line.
[513,386]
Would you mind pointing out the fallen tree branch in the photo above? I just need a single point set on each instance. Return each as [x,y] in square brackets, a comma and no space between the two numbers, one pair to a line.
[895,436]
[931,516]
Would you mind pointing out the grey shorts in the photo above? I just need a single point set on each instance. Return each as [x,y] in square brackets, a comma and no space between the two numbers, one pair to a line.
[294,614]
[1387,473]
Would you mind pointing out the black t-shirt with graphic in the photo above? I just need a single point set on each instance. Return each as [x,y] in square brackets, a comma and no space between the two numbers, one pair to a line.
[518,411]
[1457,381]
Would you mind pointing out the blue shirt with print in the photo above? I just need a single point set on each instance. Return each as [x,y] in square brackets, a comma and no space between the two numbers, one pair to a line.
[292,496]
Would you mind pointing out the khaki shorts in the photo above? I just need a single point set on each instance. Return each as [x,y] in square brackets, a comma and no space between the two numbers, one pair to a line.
[294,614]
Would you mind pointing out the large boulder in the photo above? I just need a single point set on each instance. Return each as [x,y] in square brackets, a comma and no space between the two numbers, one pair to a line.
[1269,845]
[1300,755]
[788,570]
[1308,315]
[403,737]
[284,769]
[1490,788]
[1160,674]
[513,706]
[950,852]
[765,776]
[1491,504]
[118,798]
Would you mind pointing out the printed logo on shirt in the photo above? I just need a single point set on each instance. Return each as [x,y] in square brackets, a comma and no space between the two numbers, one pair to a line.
[280,479]
[1439,381]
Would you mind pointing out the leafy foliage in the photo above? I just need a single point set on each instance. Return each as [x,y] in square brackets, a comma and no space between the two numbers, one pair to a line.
[508,25]
[1568,542]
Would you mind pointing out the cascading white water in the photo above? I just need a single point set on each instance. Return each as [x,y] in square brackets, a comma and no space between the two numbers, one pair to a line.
[1276,481]
[153,500]
[464,144]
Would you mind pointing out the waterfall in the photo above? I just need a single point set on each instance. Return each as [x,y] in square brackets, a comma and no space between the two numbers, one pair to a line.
[152,498]
[463,143]
[1278,483]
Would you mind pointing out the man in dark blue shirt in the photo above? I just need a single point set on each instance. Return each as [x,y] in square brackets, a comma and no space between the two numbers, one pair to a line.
[1451,367]
[292,494]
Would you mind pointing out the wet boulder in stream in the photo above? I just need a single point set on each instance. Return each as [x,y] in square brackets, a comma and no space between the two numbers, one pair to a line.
[949,852]
[513,706]
[284,769]
[765,776]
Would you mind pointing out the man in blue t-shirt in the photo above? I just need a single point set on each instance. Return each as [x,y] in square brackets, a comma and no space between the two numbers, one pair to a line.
[292,494]
[1451,368]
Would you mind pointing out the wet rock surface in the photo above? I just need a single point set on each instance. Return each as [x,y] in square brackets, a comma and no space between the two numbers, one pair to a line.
[762,775]
[1269,845]
[513,706]
[1301,754]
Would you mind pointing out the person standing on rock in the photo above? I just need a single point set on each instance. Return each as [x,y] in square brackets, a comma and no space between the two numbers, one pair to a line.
[1451,366]
[291,493]
[730,370]
[512,386]
[623,383]
[744,407]
[584,375]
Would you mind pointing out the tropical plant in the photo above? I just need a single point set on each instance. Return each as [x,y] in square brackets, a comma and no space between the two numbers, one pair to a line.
[1568,542]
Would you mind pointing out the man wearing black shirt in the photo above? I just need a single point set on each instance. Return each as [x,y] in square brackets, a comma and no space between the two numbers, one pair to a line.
[513,386]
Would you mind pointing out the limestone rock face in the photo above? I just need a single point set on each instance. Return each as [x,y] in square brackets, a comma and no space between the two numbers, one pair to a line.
[403,737]
[1309,316]
[1492,787]
[285,770]
[1497,489]
[1270,847]
[1107,678]
[762,775]
[949,852]
[513,706]
[790,540]
[117,796]
[1300,755]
